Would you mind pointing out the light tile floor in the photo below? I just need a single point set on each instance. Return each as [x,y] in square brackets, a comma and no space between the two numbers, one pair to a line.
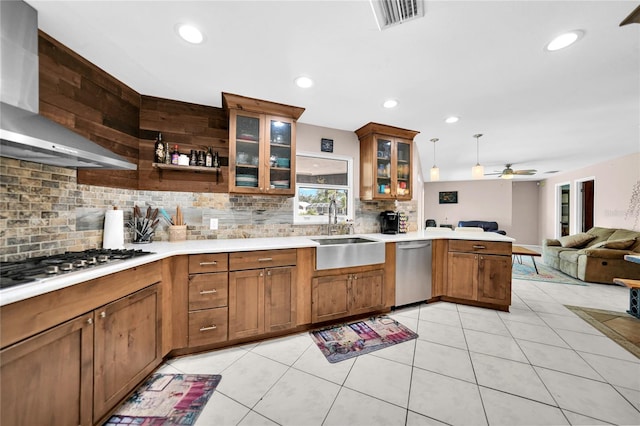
[536,365]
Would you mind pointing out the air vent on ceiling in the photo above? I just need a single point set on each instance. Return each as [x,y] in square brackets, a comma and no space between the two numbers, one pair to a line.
[392,12]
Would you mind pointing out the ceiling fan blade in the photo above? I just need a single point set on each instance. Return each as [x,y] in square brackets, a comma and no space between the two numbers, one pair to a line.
[525,172]
[489,174]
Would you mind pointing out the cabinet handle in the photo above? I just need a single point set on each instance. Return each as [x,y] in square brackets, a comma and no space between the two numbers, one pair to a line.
[90,321]
[268,273]
[355,277]
[479,247]
[265,259]
[213,262]
[208,291]
[261,274]
[103,314]
[211,327]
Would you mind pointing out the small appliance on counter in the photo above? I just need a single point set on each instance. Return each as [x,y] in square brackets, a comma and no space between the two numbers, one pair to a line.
[389,222]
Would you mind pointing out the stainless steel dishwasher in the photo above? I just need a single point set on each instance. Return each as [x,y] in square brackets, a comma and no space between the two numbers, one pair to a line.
[413,272]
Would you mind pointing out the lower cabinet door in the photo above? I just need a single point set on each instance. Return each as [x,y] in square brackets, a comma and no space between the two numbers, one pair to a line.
[494,279]
[462,275]
[47,379]
[127,346]
[207,326]
[246,303]
[330,297]
[280,299]
[367,292]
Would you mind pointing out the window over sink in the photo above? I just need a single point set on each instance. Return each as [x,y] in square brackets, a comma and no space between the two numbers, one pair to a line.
[319,178]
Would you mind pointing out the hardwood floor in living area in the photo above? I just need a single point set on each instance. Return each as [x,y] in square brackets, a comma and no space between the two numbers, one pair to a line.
[538,364]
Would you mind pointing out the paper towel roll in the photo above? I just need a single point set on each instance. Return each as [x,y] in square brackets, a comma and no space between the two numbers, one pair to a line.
[113,237]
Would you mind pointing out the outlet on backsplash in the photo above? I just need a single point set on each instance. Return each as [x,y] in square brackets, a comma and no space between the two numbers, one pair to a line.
[213,224]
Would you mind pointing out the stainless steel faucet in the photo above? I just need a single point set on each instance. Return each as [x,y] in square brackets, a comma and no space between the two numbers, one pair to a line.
[332,206]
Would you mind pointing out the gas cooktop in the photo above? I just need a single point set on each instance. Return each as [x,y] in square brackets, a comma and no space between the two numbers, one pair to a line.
[38,268]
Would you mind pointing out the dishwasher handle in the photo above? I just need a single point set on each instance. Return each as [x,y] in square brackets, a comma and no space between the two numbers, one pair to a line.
[413,246]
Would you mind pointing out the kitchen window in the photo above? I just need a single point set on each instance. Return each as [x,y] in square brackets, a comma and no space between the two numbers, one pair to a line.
[319,178]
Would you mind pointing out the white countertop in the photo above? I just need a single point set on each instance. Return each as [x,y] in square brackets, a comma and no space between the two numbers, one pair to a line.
[162,250]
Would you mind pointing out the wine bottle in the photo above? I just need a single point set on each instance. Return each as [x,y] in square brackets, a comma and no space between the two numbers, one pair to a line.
[159,150]
[208,159]
[167,153]
[175,155]
[216,160]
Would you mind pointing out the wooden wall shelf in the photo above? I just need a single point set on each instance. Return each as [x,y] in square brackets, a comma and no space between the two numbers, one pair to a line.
[193,169]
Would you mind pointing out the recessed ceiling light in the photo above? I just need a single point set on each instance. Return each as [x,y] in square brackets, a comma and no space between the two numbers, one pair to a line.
[304,82]
[390,103]
[190,33]
[564,40]
[452,119]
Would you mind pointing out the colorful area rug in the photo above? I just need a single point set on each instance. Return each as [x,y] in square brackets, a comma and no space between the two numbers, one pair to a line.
[348,340]
[525,271]
[166,399]
[620,327]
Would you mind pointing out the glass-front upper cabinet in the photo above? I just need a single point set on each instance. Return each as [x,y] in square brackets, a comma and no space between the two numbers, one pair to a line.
[261,145]
[386,171]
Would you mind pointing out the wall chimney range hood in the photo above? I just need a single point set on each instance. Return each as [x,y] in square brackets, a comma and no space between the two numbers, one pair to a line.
[25,134]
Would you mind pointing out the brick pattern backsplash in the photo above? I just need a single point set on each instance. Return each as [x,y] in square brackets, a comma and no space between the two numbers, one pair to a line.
[45,211]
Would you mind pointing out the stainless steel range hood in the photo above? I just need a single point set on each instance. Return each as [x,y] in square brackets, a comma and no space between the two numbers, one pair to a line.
[25,134]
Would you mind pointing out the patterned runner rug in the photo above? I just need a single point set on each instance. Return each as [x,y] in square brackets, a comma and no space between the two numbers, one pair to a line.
[167,400]
[345,341]
[525,271]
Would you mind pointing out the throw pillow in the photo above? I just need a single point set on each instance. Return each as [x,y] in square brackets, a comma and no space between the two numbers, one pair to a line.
[576,240]
[615,244]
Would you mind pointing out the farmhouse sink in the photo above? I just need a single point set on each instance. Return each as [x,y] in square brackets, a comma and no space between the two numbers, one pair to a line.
[346,252]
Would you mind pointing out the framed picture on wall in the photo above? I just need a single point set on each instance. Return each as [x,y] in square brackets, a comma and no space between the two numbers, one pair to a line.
[448,197]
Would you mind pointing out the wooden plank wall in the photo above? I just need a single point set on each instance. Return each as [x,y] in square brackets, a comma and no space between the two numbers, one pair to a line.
[190,126]
[87,100]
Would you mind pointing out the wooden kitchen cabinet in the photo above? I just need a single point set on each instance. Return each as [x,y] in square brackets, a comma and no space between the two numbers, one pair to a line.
[346,294]
[262,145]
[479,271]
[48,379]
[386,162]
[127,346]
[69,356]
[262,292]
[208,299]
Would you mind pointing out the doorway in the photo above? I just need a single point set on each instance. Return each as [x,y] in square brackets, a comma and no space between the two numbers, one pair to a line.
[585,204]
[563,192]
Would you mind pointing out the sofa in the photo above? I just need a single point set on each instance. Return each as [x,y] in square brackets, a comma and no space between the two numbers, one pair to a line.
[487,226]
[595,256]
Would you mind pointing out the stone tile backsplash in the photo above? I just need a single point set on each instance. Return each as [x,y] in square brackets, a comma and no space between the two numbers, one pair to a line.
[44,211]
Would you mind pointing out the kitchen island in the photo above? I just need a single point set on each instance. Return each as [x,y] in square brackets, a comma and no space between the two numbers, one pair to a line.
[192,296]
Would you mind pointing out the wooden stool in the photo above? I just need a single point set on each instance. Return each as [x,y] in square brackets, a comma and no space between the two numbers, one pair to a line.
[634,295]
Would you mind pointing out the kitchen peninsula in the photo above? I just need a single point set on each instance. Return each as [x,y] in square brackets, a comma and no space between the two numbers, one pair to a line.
[199,295]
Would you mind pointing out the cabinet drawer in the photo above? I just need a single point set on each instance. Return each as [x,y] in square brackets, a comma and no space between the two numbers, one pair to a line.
[261,259]
[487,247]
[207,326]
[208,291]
[202,263]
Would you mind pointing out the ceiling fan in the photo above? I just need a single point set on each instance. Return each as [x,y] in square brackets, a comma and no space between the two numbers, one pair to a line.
[508,172]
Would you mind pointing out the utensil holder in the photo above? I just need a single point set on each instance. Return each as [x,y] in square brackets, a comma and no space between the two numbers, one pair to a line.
[177,233]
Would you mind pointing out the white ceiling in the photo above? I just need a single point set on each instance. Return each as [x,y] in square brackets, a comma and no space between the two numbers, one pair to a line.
[481,60]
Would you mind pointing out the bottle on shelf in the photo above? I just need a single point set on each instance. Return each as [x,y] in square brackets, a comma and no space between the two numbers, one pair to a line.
[201,159]
[208,162]
[193,158]
[175,155]
[167,154]
[159,150]
[216,160]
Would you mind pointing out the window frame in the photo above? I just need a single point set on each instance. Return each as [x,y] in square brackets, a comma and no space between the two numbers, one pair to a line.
[322,219]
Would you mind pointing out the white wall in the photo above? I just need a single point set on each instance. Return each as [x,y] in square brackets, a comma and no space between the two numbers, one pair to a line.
[614,184]
[477,200]
[524,212]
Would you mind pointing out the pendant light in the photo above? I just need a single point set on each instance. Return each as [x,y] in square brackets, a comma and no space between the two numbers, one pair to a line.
[435,172]
[477,171]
